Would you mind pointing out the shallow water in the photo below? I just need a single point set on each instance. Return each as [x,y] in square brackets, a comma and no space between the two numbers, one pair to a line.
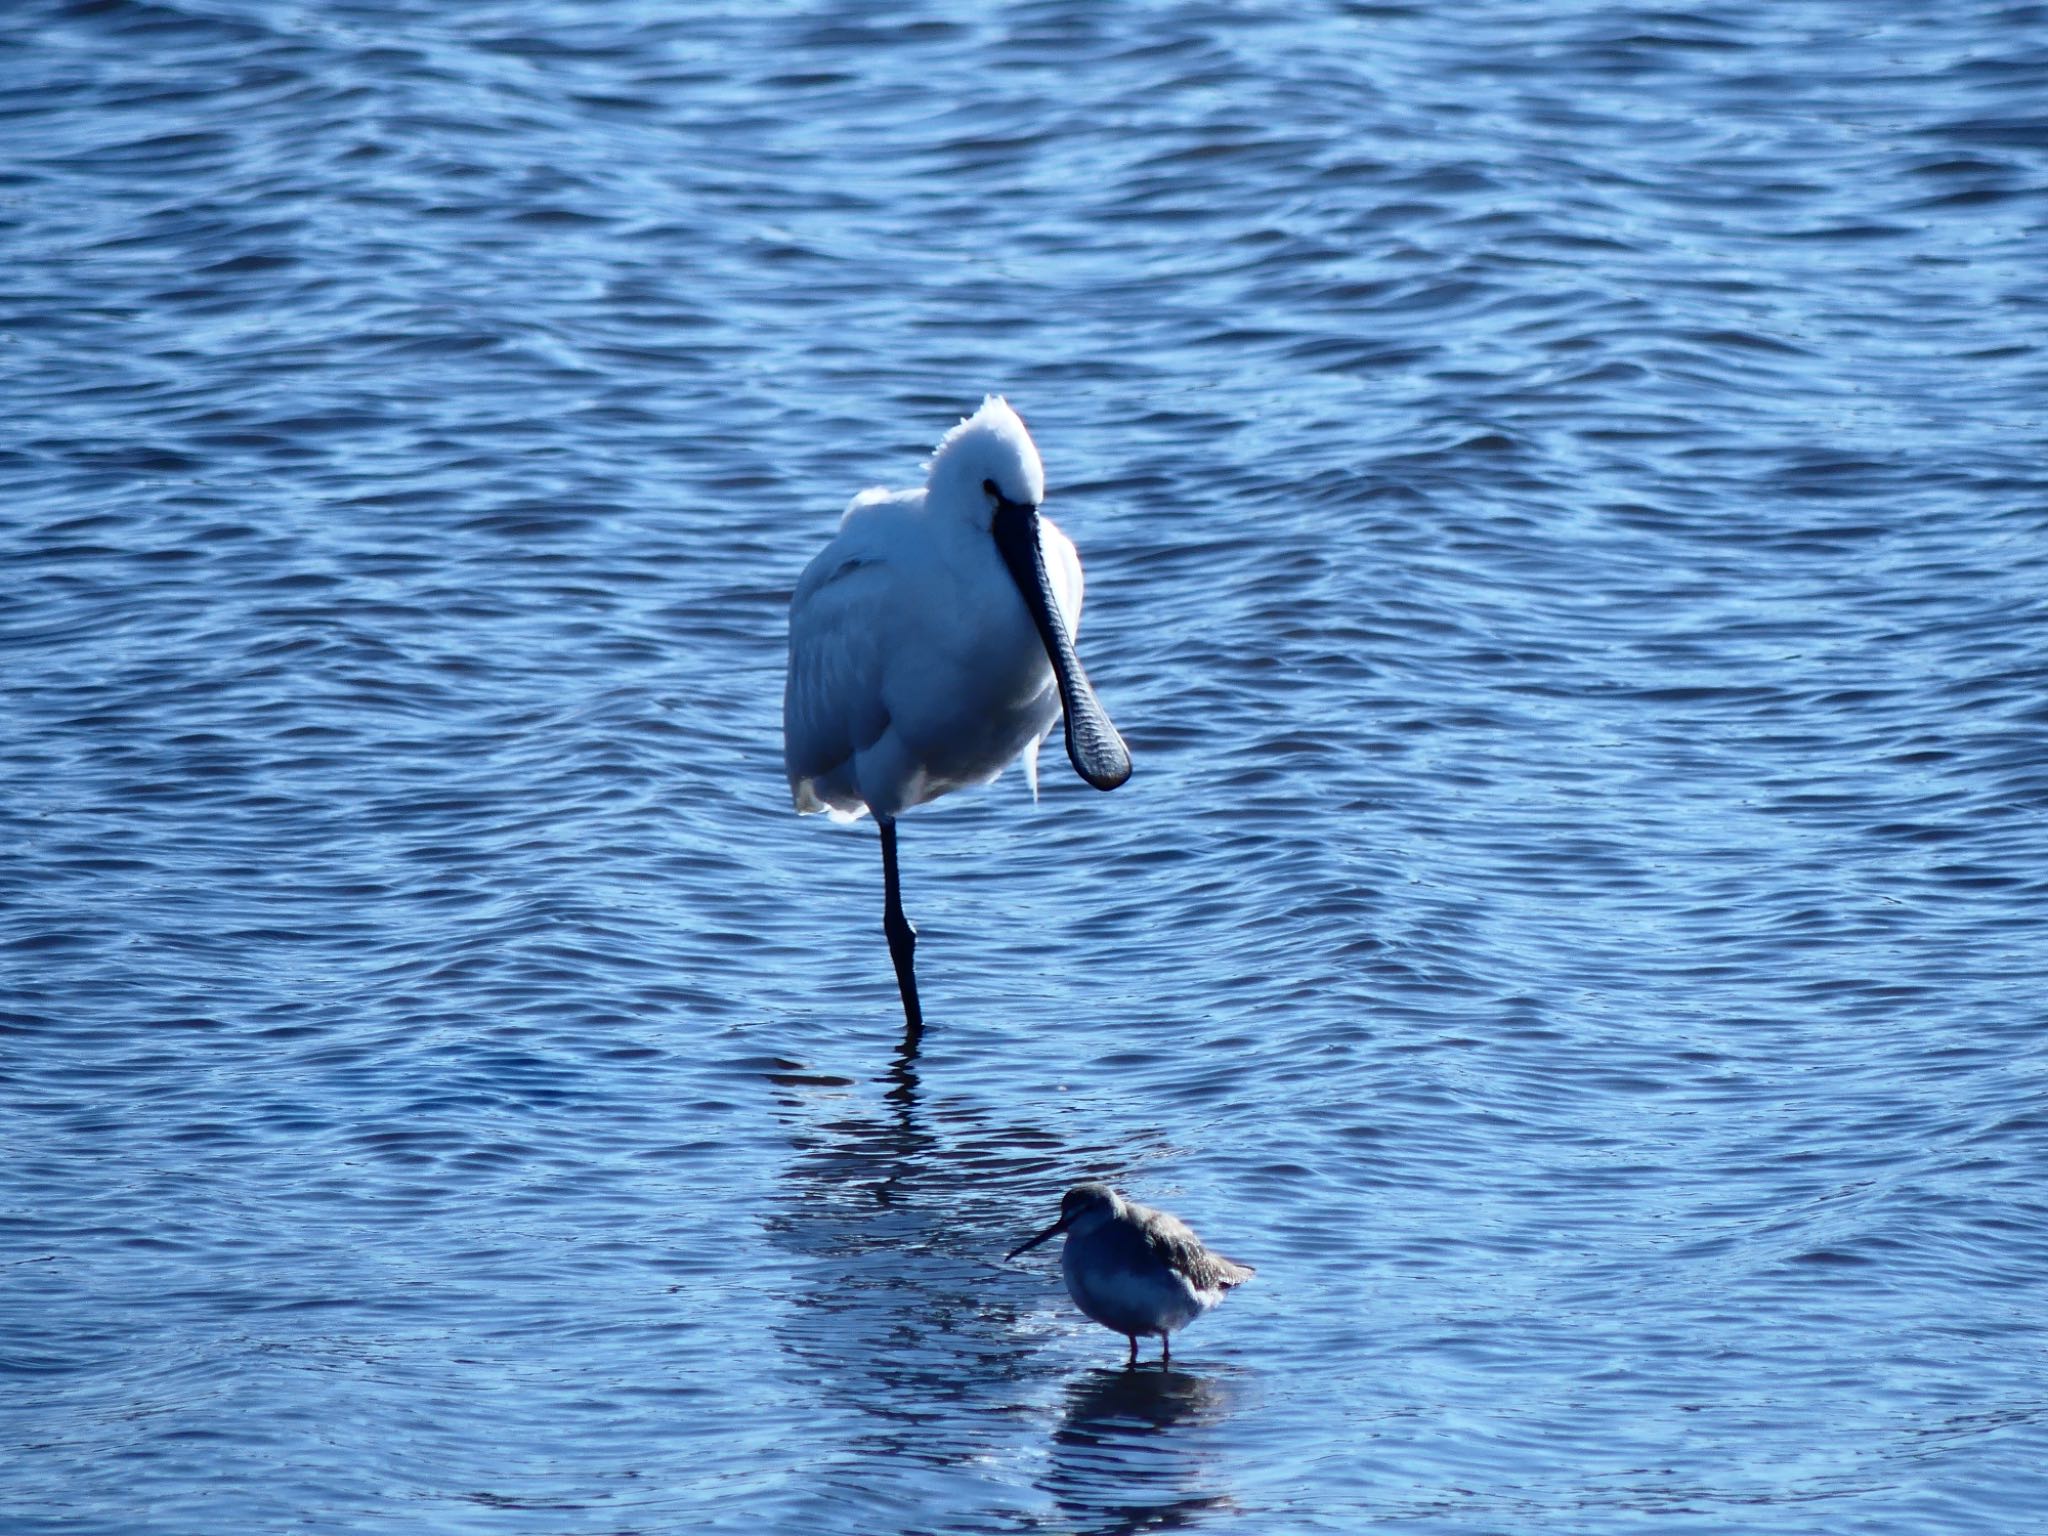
[1564,498]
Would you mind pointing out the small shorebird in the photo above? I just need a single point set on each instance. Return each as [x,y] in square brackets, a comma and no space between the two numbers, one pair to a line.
[932,641]
[1133,1269]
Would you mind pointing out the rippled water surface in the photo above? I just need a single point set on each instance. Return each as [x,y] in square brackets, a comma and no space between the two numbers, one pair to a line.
[1565,496]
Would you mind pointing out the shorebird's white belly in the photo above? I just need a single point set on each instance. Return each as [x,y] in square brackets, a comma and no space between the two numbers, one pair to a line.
[1146,1300]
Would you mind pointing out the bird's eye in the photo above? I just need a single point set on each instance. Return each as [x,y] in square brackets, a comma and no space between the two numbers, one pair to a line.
[989,486]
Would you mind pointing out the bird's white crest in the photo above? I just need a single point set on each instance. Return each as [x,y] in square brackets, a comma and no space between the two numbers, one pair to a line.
[992,444]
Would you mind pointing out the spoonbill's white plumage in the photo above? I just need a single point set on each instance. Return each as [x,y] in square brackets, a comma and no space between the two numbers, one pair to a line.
[931,643]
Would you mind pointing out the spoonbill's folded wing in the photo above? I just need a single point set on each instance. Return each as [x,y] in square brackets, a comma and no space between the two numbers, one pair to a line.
[832,705]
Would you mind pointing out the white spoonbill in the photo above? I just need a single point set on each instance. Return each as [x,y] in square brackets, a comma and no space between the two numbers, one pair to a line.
[932,641]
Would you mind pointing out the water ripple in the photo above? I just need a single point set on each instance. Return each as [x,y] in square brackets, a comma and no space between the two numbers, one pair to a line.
[1562,492]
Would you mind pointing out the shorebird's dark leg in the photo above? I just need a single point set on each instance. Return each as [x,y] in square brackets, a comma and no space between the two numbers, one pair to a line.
[1165,1350]
[896,927]
[1131,1364]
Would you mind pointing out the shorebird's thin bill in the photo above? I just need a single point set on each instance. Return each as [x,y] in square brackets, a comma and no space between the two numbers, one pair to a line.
[1094,748]
[1056,1228]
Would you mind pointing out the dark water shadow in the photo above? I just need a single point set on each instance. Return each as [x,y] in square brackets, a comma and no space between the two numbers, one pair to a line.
[894,1214]
[927,1191]
[1129,1454]
[868,1158]
[855,1166]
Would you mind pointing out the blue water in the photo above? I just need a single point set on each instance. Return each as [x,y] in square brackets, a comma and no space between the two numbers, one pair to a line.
[1564,489]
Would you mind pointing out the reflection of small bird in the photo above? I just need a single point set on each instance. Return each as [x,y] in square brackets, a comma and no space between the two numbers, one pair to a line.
[1133,1269]
[932,642]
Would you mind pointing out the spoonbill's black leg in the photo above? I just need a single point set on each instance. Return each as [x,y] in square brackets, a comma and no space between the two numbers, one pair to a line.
[901,935]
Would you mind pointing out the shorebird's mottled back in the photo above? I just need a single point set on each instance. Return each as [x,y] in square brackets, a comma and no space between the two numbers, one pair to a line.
[1177,1246]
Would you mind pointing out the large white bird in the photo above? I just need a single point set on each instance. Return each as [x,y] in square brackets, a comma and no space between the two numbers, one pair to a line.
[932,641]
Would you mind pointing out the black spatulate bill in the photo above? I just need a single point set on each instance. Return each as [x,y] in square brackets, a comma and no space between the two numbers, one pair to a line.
[1094,748]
